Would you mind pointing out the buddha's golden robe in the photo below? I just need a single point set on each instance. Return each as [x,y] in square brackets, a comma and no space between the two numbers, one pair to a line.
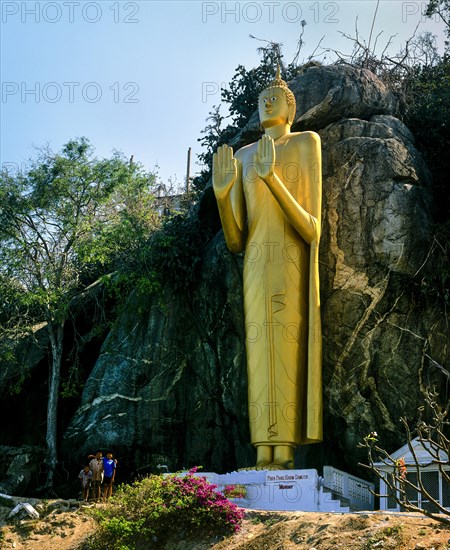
[281,295]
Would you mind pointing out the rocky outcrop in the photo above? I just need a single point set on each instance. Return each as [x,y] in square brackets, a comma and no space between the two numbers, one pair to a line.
[169,387]
[29,351]
[20,467]
[379,334]
[327,94]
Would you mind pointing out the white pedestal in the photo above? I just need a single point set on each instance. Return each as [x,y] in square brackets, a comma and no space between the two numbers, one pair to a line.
[295,490]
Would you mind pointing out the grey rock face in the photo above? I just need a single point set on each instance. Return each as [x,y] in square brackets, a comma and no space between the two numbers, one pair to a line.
[30,351]
[327,94]
[374,183]
[170,384]
[378,333]
[20,467]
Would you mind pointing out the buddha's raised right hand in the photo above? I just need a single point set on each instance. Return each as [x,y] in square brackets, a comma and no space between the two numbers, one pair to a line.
[224,171]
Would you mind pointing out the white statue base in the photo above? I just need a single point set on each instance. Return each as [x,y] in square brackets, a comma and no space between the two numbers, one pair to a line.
[296,490]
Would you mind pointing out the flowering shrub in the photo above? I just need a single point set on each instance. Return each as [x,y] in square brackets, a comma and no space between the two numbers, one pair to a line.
[149,509]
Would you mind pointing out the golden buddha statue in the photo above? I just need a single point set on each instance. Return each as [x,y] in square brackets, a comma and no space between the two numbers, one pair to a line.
[269,197]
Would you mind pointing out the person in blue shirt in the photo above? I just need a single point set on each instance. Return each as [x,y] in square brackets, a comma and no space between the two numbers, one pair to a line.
[109,471]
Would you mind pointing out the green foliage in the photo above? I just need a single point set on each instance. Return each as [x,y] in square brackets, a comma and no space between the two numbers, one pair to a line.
[246,85]
[441,8]
[214,136]
[428,117]
[149,509]
[63,221]
[71,388]
[67,219]
[169,258]
[14,304]
[176,250]
[235,491]
[7,502]
[117,238]
[256,518]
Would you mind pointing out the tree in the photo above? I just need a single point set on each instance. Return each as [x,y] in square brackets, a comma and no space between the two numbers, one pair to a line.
[441,8]
[65,220]
[434,438]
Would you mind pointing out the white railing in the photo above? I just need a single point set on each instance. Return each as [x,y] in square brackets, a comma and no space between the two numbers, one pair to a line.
[357,491]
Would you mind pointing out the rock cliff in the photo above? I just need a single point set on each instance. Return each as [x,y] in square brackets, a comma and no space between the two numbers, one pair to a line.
[169,385]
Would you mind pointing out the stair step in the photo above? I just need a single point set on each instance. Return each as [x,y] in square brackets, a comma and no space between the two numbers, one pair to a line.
[334,504]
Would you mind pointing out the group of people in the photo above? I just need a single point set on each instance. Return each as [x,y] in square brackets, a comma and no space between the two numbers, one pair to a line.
[99,472]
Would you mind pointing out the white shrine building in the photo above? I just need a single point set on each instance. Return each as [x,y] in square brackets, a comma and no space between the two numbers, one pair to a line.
[430,476]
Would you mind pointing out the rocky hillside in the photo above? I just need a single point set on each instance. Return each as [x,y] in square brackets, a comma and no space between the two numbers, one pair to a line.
[166,385]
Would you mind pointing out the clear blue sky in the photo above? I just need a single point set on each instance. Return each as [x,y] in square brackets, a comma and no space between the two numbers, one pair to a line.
[141,76]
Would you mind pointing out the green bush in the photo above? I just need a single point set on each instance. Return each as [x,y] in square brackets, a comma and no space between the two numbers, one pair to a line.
[148,510]
[428,117]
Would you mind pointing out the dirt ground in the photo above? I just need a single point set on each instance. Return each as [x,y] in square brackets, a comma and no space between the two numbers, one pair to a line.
[56,531]
[327,531]
[261,530]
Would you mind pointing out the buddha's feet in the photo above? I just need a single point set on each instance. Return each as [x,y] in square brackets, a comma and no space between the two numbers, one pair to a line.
[276,457]
[285,465]
[253,468]
[260,465]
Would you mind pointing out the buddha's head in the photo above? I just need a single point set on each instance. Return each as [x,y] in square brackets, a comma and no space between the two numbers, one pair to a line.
[276,104]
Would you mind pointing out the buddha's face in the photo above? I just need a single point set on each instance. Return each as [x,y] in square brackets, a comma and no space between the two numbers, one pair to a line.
[273,107]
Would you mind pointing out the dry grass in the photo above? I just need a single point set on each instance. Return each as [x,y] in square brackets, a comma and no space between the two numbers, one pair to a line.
[261,530]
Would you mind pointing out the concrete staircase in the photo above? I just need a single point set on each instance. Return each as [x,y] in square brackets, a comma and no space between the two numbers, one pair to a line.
[329,501]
